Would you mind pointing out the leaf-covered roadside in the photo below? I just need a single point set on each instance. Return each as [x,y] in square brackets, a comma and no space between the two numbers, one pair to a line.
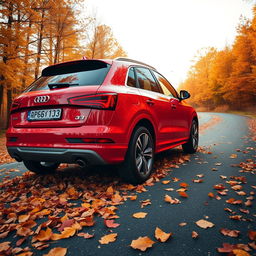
[36,210]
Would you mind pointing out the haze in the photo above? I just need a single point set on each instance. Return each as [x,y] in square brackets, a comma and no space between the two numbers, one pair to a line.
[168,34]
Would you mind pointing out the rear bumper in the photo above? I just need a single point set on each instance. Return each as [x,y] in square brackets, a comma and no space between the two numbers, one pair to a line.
[61,155]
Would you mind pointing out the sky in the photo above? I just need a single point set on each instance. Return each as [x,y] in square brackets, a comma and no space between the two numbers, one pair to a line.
[167,34]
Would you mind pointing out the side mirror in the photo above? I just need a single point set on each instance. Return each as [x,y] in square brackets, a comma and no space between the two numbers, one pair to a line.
[184,95]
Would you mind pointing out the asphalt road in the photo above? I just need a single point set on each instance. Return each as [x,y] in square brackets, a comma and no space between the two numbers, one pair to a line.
[226,137]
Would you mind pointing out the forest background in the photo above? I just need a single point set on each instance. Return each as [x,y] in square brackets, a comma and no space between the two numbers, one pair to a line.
[38,33]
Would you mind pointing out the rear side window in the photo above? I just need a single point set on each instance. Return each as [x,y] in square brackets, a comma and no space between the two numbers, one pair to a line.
[131,81]
[146,80]
[80,73]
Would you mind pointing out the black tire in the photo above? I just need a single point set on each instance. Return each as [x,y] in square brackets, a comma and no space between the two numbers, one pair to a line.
[139,160]
[192,144]
[41,167]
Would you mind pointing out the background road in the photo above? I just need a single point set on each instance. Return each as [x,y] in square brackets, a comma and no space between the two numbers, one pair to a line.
[224,141]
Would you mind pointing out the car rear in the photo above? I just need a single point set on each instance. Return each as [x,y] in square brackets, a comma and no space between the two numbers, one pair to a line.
[63,117]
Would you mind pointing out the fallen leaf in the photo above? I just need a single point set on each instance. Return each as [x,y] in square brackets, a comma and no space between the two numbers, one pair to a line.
[111,224]
[204,224]
[142,243]
[166,182]
[218,164]
[58,251]
[85,235]
[226,248]
[211,195]
[183,194]
[239,252]
[161,236]
[145,203]
[23,218]
[182,224]
[170,200]
[44,235]
[228,232]
[4,246]
[66,233]
[108,238]
[252,235]
[233,156]
[66,223]
[194,234]
[140,215]
[184,185]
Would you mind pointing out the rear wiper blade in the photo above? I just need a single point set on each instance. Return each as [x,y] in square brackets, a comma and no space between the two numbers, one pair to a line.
[60,85]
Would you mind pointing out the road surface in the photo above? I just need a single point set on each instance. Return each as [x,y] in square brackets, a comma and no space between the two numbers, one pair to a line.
[224,141]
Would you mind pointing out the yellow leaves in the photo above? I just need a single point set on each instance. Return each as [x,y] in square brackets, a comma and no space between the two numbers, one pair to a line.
[140,215]
[44,235]
[161,236]
[108,238]
[142,243]
[204,224]
[58,251]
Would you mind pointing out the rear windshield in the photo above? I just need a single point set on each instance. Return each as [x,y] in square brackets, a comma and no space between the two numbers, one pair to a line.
[79,73]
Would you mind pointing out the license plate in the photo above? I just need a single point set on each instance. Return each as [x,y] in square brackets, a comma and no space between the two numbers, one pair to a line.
[44,114]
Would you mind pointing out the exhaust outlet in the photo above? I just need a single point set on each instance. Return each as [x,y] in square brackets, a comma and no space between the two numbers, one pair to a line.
[81,163]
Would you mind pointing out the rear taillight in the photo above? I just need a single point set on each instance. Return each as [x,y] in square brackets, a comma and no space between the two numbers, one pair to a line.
[99,101]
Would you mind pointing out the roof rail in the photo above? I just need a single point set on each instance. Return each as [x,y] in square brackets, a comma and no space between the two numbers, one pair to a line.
[134,61]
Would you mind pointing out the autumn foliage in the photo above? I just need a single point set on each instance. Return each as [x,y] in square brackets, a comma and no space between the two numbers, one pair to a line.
[38,33]
[225,79]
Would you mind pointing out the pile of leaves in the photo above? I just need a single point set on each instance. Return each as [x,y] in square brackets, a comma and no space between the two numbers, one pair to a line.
[36,210]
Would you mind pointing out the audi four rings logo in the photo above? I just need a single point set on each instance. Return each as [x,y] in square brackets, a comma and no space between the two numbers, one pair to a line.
[41,99]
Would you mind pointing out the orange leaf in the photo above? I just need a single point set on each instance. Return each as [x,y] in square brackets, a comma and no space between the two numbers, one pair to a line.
[184,185]
[108,238]
[194,234]
[211,195]
[58,251]
[142,243]
[183,194]
[252,235]
[161,236]
[239,252]
[4,246]
[170,200]
[140,215]
[228,232]
[23,218]
[68,232]
[204,224]
[166,182]
[85,235]
[111,224]
[44,235]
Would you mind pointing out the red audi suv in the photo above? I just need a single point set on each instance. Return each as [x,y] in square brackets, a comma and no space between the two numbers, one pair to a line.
[94,112]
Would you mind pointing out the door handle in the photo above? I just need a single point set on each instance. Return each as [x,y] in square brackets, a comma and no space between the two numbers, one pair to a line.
[150,102]
[173,106]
